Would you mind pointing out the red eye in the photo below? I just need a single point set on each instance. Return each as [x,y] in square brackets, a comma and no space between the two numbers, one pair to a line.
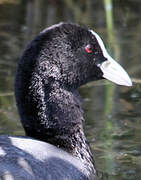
[89,48]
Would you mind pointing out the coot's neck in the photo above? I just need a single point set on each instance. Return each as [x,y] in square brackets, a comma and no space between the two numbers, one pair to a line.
[51,112]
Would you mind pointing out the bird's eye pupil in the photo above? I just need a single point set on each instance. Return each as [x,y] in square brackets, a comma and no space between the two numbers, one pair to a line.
[89,48]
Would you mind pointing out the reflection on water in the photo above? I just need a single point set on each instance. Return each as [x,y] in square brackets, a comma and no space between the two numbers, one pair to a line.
[115,138]
[113,118]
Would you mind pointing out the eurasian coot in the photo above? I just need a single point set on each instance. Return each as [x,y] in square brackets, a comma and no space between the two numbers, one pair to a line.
[58,61]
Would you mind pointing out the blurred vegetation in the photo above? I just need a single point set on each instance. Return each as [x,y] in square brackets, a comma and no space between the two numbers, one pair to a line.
[9,1]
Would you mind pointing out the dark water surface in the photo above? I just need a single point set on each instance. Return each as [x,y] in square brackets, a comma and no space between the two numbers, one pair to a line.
[113,113]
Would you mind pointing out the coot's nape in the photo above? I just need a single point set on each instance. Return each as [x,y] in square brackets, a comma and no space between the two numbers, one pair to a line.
[58,61]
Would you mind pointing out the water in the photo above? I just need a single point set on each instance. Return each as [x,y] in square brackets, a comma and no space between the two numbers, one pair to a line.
[113,117]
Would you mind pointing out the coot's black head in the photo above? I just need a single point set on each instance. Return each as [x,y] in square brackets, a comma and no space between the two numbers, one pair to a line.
[74,52]
[72,55]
